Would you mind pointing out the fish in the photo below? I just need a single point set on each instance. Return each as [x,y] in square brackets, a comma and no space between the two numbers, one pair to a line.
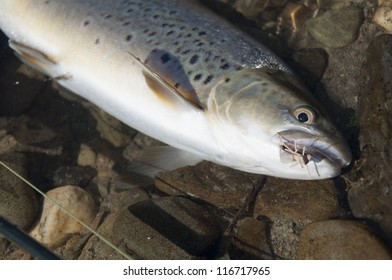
[176,71]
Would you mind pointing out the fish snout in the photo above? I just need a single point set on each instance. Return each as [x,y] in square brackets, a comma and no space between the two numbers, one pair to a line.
[316,148]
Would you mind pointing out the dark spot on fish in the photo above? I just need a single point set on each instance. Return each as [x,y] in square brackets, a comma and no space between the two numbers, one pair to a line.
[189,35]
[128,38]
[172,12]
[208,79]
[171,25]
[97,41]
[176,85]
[147,10]
[194,59]
[225,66]
[156,16]
[87,22]
[223,40]
[47,2]
[165,58]
[182,27]
[201,33]
[164,24]
[200,44]
[126,23]
[129,11]
[227,80]
[186,51]
[152,34]
[197,77]
[146,31]
[176,43]
[108,16]
[190,72]
[170,32]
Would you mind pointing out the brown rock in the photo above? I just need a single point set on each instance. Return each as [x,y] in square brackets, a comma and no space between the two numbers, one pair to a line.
[18,202]
[167,228]
[110,209]
[340,239]
[218,185]
[55,226]
[301,201]
[251,240]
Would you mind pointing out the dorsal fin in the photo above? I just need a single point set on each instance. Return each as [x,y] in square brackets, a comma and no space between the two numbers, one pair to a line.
[164,87]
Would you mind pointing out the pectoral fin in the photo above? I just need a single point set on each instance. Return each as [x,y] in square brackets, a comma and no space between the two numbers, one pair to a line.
[160,159]
[34,58]
[160,81]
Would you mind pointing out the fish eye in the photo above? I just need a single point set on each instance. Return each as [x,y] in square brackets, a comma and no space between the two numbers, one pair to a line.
[305,115]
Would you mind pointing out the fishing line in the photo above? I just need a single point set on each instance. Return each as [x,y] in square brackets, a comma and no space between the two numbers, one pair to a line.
[102,238]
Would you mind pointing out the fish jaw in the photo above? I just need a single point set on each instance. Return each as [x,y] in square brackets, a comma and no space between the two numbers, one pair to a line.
[324,153]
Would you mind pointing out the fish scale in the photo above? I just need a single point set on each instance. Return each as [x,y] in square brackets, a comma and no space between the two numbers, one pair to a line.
[179,73]
[145,26]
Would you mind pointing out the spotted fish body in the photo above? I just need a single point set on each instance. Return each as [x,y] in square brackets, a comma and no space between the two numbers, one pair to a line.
[177,72]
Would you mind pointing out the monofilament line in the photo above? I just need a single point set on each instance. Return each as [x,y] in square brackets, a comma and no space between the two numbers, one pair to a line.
[102,238]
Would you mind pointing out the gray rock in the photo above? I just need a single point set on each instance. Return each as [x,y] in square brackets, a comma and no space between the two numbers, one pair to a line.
[73,175]
[18,202]
[167,228]
[342,240]
[311,63]
[336,28]
[370,193]
[284,238]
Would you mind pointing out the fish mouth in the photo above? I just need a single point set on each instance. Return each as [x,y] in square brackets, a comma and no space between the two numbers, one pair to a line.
[306,147]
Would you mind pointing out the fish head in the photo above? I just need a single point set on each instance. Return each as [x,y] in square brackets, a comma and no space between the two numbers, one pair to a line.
[268,123]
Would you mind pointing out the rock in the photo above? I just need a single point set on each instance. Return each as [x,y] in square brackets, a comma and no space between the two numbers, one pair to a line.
[111,129]
[341,240]
[113,204]
[218,185]
[292,204]
[336,28]
[250,8]
[383,15]
[73,175]
[284,238]
[55,227]
[296,200]
[18,202]
[311,63]
[295,15]
[370,193]
[333,4]
[167,228]
[87,157]
[251,240]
